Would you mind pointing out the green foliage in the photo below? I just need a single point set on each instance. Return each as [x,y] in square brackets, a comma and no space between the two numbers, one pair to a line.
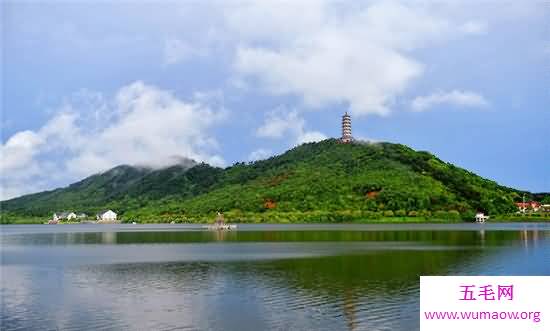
[316,182]
[401,213]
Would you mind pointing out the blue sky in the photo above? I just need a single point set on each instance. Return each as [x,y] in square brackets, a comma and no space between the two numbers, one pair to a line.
[90,85]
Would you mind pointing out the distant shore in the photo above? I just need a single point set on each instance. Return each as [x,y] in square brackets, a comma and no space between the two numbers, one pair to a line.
[387,220]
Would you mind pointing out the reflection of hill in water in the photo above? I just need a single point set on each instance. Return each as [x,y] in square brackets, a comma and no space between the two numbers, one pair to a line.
[461,238]
[368,290]
[355,289]
[374,289]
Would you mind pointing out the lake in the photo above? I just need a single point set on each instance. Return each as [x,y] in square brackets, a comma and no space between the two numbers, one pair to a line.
[260,277]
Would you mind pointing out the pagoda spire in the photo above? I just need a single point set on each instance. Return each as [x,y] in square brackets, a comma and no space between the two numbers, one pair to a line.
[346,129]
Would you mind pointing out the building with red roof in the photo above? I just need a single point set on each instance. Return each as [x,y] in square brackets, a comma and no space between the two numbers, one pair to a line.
[530,205]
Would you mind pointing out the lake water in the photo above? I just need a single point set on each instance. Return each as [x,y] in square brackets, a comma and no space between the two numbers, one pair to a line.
[282,277]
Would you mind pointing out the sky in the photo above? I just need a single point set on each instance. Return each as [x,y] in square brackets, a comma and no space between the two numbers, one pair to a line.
[88,85]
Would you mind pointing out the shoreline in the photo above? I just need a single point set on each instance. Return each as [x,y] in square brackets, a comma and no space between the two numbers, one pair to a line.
[392,220]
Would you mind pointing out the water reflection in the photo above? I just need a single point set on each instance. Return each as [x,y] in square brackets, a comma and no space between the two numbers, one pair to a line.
[252,280]
[478,237]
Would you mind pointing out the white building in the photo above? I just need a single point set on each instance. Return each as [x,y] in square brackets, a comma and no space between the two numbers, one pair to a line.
[65,215]
[481,218]
[106,216]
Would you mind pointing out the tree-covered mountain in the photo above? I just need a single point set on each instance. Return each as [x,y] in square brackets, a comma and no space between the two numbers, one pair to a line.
[324,181]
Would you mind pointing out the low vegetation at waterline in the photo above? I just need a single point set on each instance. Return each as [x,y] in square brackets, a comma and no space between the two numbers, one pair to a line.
[317,182]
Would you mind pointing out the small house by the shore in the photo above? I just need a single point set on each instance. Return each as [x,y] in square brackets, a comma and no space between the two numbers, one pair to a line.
[106,216]
[528,206]
[65,215]
[481,218]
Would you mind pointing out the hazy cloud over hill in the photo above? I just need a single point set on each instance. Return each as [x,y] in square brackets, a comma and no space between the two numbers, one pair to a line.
[141,125]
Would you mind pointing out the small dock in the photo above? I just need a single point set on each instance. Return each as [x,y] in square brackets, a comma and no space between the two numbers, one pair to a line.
[481,218]
[220,225]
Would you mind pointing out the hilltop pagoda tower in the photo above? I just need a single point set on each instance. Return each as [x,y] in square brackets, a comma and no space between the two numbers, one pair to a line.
[346,129]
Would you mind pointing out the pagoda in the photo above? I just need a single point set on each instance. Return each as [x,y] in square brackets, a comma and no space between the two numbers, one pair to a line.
[346,129]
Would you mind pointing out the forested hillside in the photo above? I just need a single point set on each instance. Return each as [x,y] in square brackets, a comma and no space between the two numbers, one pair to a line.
[325,181]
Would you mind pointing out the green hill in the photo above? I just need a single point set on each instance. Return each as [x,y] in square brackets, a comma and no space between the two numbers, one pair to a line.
[325,181]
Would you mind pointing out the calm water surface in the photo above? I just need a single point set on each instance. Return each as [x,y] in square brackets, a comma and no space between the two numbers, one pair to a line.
[286,277]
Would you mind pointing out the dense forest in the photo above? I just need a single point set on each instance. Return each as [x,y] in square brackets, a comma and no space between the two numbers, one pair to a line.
[325,181]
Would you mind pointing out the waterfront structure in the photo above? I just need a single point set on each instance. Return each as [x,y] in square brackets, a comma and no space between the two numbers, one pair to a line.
[65,215]
[346,129]
[220,219]
[481,218]
[106,216]
[528,206]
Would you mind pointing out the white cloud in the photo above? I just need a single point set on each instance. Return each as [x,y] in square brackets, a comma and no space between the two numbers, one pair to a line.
[360,55]
[354,55]
[454,98]
[153,126]
[310,137]
[365,139]
[281,123]
[474,27]
[19,149]
[259,154]
[145,126]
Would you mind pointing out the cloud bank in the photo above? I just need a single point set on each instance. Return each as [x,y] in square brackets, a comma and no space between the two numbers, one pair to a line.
[141,125]
[359,56]
[281,123]
[259,154]
[456,98]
